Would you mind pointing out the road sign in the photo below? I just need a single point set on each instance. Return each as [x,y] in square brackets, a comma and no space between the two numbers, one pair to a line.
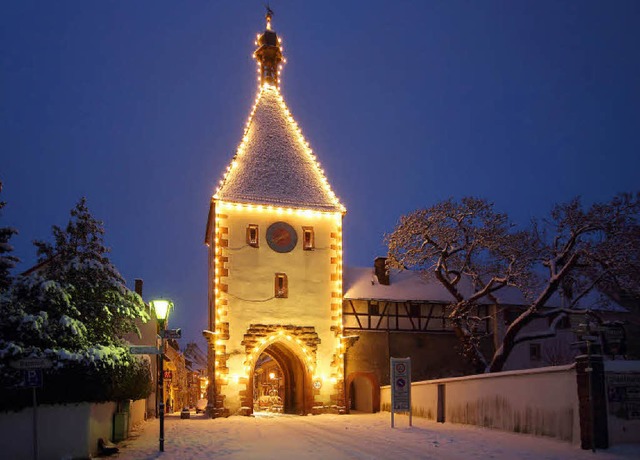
[400,386]
[590,338]
[173,333]
[144,350]
[32,378]
[32,363]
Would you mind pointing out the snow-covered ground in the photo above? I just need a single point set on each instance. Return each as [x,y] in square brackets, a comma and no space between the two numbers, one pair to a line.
[355,436]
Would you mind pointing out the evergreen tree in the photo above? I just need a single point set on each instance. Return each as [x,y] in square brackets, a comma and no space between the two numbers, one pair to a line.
[77,260]
[7,261]
[73,308]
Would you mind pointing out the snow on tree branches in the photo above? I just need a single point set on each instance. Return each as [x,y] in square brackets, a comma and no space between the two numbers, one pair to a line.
[77,260]
[73,308]
[477,254]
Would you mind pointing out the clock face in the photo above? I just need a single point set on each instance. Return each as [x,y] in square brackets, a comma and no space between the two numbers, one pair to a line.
[281,237]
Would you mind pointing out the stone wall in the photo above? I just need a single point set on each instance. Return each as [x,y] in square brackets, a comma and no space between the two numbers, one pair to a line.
[64,431]
[541,402]
[433,355]
[137,412]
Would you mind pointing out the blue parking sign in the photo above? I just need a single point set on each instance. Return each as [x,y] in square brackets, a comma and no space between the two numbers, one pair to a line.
[32,378]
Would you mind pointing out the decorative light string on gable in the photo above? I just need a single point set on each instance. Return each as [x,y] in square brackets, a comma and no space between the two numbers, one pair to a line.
[268,58]
[267,89]
[280,210]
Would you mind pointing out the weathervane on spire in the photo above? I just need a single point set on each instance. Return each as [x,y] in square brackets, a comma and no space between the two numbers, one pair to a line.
[269,53]
[268,16]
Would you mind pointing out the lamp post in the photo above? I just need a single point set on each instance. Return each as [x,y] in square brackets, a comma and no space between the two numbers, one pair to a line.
[161,307]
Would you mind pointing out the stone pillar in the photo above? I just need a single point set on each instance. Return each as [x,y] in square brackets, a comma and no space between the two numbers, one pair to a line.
[593,411]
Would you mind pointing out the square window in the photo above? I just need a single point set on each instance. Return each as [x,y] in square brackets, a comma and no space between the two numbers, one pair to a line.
[308,238]
[281,286]
[374,309]
[253,235]
[414,310]
[535,352]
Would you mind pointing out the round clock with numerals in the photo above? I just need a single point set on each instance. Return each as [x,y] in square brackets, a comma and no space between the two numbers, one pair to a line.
[281,237]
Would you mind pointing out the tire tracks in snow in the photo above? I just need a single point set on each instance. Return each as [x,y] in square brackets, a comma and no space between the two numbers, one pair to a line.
[354,443]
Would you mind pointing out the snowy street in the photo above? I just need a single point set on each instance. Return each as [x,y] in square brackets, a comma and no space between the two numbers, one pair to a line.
[356,436]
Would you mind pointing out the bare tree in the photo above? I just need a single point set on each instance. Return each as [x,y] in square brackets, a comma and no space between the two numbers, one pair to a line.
[475,252]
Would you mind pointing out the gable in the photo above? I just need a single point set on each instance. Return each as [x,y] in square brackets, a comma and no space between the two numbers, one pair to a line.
[274,165]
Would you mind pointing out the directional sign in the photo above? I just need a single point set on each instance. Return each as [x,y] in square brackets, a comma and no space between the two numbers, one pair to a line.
[32,363]
[143,350]
[173,333]
[590,338]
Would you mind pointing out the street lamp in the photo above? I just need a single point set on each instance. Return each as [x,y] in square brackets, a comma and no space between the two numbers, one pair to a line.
[161,307]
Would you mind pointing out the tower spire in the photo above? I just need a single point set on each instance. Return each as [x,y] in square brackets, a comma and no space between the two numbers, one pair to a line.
[269,54]
[268,16]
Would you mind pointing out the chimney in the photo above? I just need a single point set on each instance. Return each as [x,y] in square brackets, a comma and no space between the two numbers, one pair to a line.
[382,273]
[138,286]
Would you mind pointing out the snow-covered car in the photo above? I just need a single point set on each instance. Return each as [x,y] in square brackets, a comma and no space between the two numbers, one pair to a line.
[201,405]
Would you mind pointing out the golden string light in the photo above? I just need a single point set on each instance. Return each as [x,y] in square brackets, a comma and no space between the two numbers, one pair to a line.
[266,89]
[241,150]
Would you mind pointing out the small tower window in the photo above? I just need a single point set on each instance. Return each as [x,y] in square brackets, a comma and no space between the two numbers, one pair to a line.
[281,286]
[252,235]
[308,238]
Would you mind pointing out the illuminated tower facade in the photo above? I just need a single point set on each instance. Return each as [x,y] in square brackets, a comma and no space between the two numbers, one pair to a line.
[274,233]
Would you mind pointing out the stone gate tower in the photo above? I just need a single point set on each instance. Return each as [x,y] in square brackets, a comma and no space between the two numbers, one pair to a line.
[274,233]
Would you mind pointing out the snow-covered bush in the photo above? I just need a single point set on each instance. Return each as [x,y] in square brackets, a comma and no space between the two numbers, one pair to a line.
[73,308]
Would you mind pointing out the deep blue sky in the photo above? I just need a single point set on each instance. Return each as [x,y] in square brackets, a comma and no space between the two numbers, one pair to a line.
[139,106]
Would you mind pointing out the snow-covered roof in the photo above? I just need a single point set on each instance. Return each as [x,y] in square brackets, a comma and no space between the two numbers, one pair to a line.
[408,285]
[361,283]
[274,165]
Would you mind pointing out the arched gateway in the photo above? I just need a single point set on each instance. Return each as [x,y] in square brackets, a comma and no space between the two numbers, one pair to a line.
[275,266]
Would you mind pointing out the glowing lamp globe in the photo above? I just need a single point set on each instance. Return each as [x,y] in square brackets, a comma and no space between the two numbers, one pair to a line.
[161,307]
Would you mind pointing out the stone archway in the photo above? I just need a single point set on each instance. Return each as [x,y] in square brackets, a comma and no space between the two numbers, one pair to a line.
[293,349]
[363,392]
[296,393]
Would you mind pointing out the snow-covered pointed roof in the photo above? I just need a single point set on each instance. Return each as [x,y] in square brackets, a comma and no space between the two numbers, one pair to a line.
[274,164]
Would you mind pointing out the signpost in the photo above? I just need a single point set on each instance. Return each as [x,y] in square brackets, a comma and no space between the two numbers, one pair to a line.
[144,350]
[31,363]
[615,340]
[32,378]
[173,333]
[400,387]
